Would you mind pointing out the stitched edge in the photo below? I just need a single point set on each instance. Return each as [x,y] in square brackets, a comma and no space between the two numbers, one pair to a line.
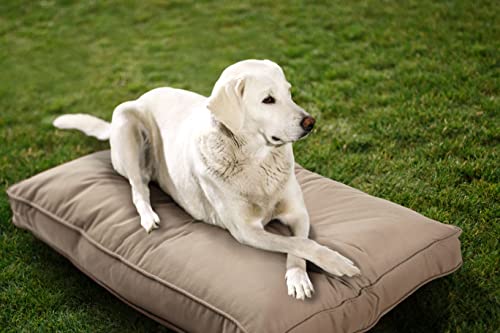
[409,293]
[105,286]
[213,308]
[352,299]
[120,258]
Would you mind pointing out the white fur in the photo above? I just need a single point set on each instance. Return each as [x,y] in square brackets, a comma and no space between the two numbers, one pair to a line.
[226,159]
[90,125]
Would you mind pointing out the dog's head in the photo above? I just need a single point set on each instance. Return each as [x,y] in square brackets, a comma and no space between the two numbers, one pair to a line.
[253,97]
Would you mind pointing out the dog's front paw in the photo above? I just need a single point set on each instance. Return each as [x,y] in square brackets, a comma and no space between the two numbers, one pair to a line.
[298,283]
[336,264]
[150,221]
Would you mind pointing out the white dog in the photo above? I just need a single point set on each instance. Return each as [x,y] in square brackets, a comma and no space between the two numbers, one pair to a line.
[226,159]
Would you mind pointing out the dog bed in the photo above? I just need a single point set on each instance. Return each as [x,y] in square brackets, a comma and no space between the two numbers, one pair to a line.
[194,277]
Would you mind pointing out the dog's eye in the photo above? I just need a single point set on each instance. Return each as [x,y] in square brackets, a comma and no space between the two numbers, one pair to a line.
[269,100]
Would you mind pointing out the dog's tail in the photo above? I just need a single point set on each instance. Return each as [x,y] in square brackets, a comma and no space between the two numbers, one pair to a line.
[86,123]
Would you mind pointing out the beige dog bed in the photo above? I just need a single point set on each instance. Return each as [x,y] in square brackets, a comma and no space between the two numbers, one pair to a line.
[194,277]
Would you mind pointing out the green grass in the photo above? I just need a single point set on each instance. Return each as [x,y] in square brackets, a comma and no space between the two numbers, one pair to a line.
[406,95]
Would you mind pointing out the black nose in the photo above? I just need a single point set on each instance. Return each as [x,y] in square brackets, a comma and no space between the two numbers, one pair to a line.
[307,123]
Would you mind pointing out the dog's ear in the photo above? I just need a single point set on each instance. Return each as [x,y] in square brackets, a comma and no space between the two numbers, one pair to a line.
[226,105]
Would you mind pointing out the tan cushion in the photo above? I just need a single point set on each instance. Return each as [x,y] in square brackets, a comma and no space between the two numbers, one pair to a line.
[194,277]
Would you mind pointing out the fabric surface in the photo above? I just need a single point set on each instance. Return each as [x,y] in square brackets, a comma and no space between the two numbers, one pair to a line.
[194,277]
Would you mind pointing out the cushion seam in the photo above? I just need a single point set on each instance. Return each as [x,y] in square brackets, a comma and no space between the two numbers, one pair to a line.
[117,256]
[212,307]
[101,283]
[370,286]
[389,308]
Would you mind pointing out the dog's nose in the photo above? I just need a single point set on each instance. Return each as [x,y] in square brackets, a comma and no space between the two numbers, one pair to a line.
[307,123]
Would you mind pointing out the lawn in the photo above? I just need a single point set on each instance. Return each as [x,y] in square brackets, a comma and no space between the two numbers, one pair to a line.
[406,95]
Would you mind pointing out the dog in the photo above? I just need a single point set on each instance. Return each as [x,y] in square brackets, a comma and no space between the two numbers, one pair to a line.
[226,159]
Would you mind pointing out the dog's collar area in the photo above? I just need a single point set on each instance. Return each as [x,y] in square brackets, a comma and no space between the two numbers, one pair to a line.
[238,141]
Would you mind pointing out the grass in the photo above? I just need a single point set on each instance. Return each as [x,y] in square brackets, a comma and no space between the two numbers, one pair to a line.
[406,95]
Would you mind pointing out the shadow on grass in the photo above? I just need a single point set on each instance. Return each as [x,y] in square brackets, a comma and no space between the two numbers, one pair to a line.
[415,314]
[56,288]
[432,308]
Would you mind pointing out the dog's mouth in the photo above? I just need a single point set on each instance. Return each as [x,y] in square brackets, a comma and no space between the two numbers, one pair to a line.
[273,140]
[303,135]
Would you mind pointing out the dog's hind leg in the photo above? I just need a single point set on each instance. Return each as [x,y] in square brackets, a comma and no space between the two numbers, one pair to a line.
[130,156]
